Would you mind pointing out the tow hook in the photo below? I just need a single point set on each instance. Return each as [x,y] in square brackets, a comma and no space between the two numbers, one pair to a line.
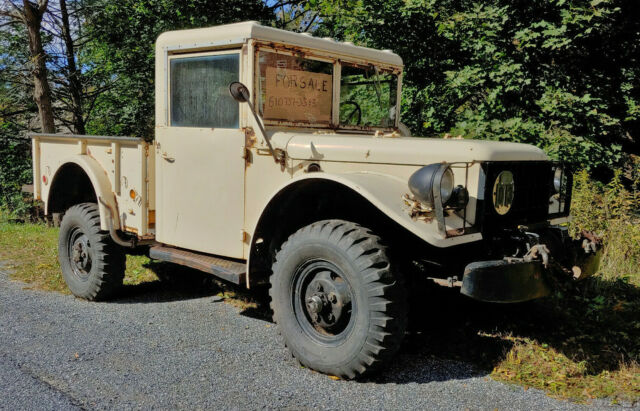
[587,262]
[450,282]
[538,250]
[590,242]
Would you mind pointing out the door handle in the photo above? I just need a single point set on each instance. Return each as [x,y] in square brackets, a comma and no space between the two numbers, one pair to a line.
[166,157]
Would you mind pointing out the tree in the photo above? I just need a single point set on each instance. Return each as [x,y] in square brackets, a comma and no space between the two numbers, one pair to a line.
[72,73]
[561,74]
[121,48]
[295,15]
[30,15]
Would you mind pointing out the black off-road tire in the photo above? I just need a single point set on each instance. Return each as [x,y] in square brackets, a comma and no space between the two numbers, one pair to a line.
[377,318]
[99,274]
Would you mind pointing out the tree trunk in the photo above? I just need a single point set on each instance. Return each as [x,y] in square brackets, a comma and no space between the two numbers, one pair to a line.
[41,91]
[75,86]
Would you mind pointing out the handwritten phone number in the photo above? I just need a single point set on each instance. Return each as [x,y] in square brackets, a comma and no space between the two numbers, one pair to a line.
[292,102]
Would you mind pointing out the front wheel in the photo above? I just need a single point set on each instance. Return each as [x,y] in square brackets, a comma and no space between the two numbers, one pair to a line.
[339,306]
[92,264]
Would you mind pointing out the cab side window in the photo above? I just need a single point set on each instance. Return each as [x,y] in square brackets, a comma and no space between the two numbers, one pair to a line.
[199,91]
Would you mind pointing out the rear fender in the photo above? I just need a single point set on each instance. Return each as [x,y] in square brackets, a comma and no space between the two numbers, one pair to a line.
[101,185]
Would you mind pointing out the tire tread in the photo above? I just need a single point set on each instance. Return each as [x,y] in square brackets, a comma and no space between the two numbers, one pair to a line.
[387,296]
[109,258]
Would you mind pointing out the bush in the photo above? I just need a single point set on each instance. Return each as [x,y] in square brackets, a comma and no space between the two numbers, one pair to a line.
[538,72]
[611,211]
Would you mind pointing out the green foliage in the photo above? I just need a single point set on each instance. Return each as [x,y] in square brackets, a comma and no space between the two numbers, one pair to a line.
[610,210]
[15,170]
[15,164]
[16,109]
[373,95]
[560,74]
[124,34]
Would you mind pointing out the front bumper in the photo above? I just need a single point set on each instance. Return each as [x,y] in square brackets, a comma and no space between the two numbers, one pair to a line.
[516,280]
[500,281]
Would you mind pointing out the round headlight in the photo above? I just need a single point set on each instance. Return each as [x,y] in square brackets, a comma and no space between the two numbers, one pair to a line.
[422,181]
[446,185]
[559,179]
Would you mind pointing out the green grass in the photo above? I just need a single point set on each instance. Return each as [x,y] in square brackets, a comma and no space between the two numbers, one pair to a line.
[581,343]
[534,364]
[585,343]
[593,347]
[30,252]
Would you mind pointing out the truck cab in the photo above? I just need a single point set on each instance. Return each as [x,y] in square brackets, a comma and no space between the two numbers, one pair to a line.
[295,81]
[279,158]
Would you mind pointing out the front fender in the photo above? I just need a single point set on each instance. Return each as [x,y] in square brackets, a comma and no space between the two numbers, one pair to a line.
[101,185]
[386,193]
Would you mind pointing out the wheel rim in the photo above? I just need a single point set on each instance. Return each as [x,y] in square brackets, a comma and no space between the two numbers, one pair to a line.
[80,254]
[323,301]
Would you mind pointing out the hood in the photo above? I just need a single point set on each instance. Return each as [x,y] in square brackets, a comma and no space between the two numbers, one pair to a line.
[402,150]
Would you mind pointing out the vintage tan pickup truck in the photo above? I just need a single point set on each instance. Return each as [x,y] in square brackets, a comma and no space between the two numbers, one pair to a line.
[279,158]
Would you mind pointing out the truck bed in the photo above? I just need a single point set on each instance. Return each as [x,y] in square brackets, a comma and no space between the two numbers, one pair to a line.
[126,161]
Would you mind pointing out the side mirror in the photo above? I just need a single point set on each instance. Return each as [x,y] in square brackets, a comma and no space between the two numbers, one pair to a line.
[240,93]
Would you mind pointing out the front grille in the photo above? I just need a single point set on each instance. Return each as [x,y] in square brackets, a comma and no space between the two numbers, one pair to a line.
[533,185]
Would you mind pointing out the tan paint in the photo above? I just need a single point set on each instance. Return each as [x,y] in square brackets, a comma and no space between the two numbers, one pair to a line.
[37,177]
[205,189]
[405,150]
[200,176]
[102,167]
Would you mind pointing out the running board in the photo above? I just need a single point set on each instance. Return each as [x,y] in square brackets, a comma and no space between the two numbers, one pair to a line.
[228,270]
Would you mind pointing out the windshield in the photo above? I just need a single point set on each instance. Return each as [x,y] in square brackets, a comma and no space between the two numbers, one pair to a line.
[292,90]
[367,96]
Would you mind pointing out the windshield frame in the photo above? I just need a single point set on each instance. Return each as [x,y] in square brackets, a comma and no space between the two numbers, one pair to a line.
[337,61]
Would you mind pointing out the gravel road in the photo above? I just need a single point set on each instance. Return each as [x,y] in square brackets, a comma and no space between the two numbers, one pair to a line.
[148,351]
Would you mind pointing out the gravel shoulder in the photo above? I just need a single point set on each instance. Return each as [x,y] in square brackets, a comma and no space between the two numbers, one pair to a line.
[59,352]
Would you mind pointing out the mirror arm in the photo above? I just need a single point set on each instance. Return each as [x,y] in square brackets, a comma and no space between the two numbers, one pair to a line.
[263,131]
[241,94]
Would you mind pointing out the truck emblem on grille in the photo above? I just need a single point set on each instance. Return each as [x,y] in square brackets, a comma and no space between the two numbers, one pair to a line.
[503,192]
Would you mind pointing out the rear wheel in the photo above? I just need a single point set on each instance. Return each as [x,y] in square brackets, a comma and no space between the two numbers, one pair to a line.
[339,307]
[92,264]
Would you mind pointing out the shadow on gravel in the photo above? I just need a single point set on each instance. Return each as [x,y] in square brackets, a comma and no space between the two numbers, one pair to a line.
[176,282]
[595,322]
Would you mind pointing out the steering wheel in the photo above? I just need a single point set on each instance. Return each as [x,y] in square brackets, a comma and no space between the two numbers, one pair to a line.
[351,114]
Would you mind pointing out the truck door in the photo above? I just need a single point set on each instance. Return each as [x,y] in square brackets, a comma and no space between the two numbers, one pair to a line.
[199,156]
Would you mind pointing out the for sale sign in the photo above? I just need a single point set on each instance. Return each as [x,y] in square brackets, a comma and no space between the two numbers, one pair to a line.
[296,95]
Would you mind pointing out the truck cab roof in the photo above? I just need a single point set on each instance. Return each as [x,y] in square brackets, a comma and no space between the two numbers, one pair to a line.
[230,35]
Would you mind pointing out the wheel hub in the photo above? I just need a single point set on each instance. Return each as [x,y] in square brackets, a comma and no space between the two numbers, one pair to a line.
[328,300]
[80,256]
[315,304]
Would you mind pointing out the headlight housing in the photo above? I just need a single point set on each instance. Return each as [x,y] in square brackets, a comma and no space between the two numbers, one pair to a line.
[421,183]
[559,178]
